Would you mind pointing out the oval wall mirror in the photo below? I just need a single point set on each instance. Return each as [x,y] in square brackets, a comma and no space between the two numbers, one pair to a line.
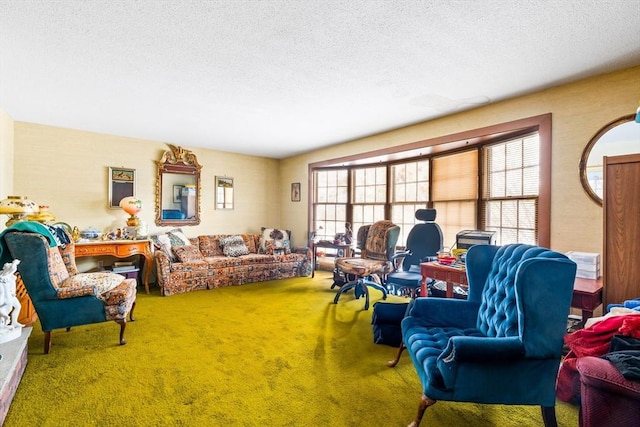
[621,136]
[178,188]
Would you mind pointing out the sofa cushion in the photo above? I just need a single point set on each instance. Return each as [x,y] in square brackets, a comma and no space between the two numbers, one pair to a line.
[210,245]
[275,241]
[101,281]
[234,246]
[188,253]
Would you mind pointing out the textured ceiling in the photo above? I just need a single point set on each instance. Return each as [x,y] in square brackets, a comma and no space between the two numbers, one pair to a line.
[282,77]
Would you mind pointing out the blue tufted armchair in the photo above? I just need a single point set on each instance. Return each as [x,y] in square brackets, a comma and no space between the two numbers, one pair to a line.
[503,344]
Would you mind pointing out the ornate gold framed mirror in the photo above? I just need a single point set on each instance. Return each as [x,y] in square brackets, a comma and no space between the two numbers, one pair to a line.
[178,188]
[621,136]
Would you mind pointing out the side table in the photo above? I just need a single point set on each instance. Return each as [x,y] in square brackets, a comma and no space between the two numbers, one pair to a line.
[120,249]
[446,273]
[587,296]
[345,248]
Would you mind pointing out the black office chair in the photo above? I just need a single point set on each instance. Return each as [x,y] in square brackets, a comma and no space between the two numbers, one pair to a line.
[423,242]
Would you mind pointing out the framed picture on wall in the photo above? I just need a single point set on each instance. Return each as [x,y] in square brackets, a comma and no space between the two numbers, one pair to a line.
[122,183]
[295,192]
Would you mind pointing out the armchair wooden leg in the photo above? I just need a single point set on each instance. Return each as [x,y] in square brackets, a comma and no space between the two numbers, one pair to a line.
[123,325]
[47,342]
[394,362]
[549,416]
[425,402]
[131,312]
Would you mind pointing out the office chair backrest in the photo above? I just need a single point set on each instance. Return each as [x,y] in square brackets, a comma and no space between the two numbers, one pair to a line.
[424,239]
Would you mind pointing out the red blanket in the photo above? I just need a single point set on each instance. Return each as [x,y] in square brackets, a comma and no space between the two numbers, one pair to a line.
[591,341]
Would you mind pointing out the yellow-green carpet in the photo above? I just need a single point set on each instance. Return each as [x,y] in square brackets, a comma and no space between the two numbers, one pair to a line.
[276,353]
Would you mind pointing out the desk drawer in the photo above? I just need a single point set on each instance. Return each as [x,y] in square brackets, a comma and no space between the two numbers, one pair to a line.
[94,250]
[126,250]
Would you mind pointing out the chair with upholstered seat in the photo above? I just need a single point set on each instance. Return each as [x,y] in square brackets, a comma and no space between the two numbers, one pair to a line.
[374,264]
[423,242]
[502,345]
[61,299]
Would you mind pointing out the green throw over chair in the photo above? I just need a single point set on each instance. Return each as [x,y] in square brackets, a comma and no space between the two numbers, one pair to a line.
[62,297]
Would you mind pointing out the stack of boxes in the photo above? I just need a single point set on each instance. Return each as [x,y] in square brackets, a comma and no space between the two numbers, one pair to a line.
[588,264]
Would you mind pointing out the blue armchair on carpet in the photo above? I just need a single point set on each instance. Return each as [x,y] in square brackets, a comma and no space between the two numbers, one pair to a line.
[503,345]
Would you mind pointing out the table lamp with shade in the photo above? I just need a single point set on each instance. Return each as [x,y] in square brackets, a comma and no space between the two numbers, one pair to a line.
[17,207]
[131,205]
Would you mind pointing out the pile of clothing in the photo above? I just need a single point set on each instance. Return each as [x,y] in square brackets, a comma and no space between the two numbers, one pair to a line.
[614,336]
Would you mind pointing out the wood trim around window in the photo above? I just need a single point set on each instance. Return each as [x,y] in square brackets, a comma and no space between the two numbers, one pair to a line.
[455,142]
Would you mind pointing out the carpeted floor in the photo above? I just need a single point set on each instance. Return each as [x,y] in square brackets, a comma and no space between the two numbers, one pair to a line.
[277,353]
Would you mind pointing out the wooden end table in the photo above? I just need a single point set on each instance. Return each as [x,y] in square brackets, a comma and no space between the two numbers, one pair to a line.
[448,274]
[587,296]
[346,248]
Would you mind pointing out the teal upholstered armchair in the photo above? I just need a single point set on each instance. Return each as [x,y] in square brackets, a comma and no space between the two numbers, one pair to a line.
[62,297]
[503,344]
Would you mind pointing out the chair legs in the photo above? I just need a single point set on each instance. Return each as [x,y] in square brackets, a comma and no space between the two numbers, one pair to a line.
[123,324]
[47,342]
[425,402]
[394,362]
[360,288]
[549,416]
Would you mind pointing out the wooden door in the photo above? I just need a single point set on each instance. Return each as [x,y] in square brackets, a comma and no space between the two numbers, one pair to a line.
[621,249]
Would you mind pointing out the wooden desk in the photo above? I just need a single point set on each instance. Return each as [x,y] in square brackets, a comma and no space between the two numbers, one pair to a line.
[119,249]
[347,252]
[587,293]
[447,274]
[587,296]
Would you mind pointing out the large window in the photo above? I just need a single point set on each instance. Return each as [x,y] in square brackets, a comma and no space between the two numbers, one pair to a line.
[369,196]
[455,193]
[330,207]
[511,189]
[410,193]
[495,178]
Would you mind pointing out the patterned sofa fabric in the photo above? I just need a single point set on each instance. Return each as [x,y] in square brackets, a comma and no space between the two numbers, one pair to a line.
[216,270]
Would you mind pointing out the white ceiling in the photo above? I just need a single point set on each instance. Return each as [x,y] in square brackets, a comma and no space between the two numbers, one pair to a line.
[277,78]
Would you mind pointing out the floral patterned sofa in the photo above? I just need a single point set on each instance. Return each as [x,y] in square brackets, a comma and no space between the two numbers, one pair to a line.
[212,261]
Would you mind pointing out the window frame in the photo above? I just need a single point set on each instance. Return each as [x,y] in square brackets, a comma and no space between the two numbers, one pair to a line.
[460,141]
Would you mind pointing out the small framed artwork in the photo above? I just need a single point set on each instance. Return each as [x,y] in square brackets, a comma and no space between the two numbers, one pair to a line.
[177,193]
[122,183]
[224,192]
[295,192]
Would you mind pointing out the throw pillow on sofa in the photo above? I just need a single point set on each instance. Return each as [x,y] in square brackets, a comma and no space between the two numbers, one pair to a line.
[169,240]
[234,246]
[188,253]
[275,241]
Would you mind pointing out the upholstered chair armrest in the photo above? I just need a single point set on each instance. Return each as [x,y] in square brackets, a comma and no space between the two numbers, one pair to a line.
[76,291]
[469,349]
[119,294]
[445,312]
[163,265]
[482,349]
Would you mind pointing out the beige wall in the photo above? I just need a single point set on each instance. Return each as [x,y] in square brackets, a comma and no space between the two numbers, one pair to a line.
[6,159]
[578,110]
[68,170]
